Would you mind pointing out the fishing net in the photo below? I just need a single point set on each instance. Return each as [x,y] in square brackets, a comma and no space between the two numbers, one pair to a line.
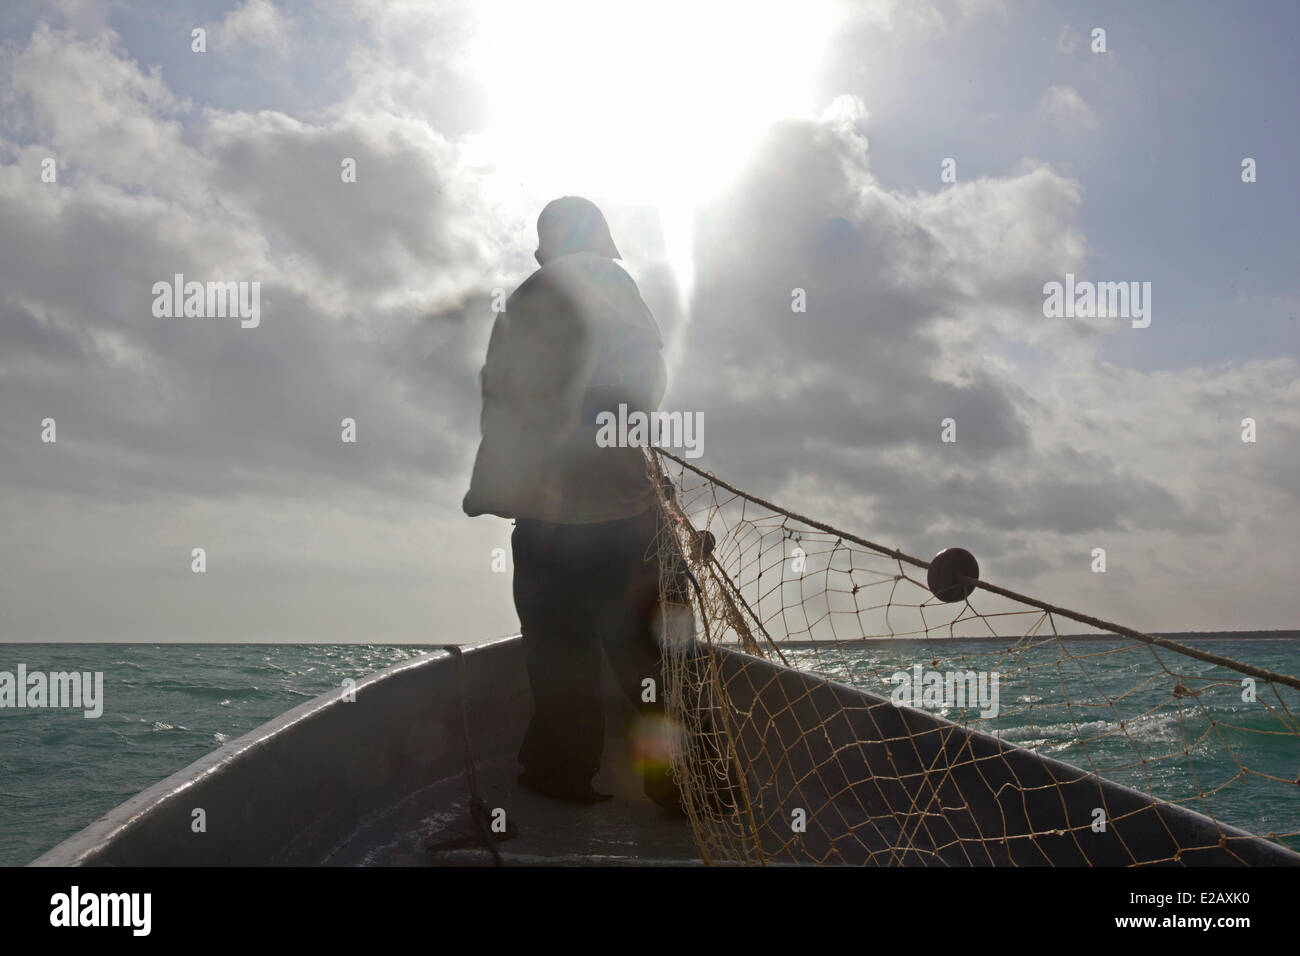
[831,710]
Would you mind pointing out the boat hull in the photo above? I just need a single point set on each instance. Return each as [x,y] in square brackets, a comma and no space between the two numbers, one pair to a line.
[895,785]
[376,778]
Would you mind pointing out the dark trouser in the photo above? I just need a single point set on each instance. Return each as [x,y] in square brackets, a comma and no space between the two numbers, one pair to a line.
[581,589]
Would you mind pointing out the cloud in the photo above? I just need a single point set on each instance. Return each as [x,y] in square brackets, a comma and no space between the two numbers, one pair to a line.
[921,306]
[93,108]
[1064,105]
[928,306]
[918,18]
[897,288]
[257,23]
[1067,41]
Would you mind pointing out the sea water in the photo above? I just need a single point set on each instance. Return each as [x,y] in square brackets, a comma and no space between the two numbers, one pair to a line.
[164,706]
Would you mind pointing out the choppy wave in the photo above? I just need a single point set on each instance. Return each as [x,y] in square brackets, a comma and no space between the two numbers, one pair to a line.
[165,706]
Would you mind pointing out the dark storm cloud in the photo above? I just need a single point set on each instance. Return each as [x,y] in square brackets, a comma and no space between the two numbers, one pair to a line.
[376,305]
[853,392]
[225,411]
[401,214]
[151,405]
[32,338]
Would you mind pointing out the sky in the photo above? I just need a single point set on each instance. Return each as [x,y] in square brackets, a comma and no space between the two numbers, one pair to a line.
[740,151]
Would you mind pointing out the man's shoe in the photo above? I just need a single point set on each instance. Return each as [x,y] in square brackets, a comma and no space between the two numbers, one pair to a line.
[663,791]
[672,804]
[557,790]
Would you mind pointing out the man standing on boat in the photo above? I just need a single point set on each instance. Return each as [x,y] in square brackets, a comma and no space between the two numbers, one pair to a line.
[575,339]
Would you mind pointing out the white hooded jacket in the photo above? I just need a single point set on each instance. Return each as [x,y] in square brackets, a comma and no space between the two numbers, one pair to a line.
[575,338]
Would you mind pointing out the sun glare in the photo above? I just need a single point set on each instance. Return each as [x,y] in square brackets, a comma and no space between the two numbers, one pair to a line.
[653,100]
[656,103]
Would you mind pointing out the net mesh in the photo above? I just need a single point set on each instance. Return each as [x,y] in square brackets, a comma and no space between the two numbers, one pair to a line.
[814,761]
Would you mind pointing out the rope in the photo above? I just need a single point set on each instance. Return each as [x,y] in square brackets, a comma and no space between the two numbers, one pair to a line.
[1242,668]
[478,808]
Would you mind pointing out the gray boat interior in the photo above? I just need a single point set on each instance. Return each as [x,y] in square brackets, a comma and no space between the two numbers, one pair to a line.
[379,779]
